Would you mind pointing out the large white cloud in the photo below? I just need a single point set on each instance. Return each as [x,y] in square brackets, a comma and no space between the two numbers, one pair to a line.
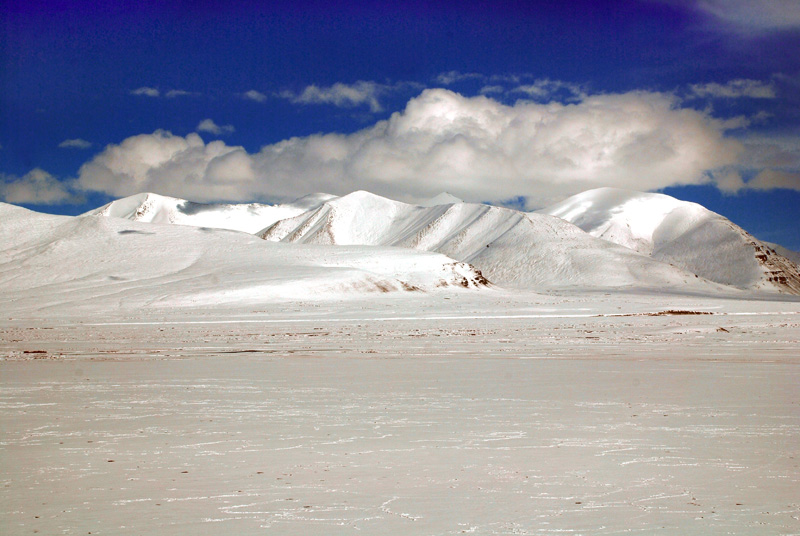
[476,148]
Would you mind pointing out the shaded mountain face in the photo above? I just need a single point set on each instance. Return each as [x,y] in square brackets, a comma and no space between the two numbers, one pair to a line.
[154,208]
[684,234]
[511,248]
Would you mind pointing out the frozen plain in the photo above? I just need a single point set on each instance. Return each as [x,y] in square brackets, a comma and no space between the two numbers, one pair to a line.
[484,412]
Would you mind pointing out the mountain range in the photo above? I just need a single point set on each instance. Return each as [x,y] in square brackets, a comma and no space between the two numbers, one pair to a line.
[153,251]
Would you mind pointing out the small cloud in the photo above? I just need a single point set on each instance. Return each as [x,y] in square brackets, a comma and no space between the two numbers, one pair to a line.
[349,95]
[486,90]
[37,187]
[451,77]
[544,88]
[172,93]
[254,95]
[77,143]
[208,125]
[146,92]
[735,89]
[342,95]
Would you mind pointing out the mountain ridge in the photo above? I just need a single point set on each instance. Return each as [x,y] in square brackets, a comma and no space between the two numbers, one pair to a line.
[681,233]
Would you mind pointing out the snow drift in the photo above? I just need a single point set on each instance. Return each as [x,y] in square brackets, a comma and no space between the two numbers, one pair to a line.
[684,234]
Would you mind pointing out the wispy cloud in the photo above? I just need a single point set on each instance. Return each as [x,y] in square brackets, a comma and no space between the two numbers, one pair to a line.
[208,125]
[146,92]
[734,89]
[155,92]
[488,90]
[254,95]
[452,77]
[36,187]
[748,16]
[172,93]
[341,95]
[77,143]
[476,148]
[544,88]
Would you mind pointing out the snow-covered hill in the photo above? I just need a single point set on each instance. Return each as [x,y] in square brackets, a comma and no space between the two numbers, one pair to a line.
[149,207]
[684,234]
[104,264]
[511,248]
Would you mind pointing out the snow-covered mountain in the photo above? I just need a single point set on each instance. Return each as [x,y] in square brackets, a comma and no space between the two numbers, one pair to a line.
[511,248]
[251,217]
[101,264]
[684,234]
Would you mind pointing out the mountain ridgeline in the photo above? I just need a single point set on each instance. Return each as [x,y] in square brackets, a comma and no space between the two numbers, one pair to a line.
[600,239]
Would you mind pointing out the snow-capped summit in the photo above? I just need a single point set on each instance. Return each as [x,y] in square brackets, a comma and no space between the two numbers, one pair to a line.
[155,208]
[511,248]
[680,233]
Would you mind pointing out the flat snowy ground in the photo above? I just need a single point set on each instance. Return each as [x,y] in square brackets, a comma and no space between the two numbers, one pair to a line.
[504,414]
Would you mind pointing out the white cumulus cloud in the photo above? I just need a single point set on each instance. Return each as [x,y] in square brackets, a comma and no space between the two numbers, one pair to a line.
[476,148]
[77,143]
[35,187]
[208,125]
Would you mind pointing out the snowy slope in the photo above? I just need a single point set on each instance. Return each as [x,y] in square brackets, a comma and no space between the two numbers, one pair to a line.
[148,207]
[680,233]
[511,248]
[110,264]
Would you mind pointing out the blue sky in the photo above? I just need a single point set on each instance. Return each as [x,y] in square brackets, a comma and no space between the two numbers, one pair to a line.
[517,103]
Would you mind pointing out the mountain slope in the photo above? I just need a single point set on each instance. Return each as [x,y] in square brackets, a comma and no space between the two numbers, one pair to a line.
[510,247]
[148,207]
[96,264]
[680,233]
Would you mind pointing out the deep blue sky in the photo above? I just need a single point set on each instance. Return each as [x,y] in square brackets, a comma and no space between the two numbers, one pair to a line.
[71,71]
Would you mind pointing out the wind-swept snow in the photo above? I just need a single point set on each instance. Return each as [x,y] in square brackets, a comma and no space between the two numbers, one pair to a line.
[511,248]
[93,262]
[680,233]
[149,207]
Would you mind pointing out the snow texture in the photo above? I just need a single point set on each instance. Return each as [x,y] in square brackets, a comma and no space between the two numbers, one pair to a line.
[149,207]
